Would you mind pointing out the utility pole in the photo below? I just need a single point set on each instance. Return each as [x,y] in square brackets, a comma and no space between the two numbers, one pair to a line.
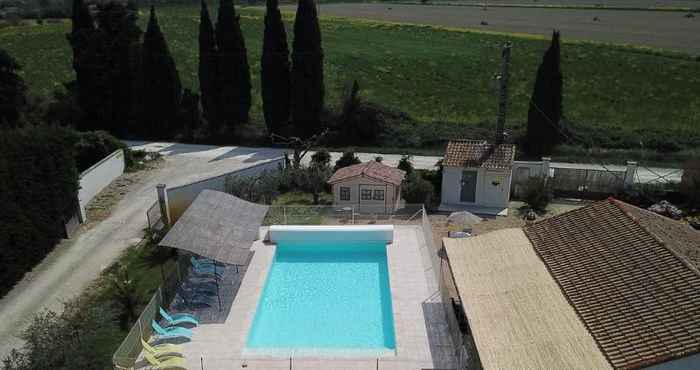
[503,93]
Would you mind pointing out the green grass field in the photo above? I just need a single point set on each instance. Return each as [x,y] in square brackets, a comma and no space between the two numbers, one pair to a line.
[615,96]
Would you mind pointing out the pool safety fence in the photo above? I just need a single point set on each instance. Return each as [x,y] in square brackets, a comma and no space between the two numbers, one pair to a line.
[292,363]
[129,350]
[409,214]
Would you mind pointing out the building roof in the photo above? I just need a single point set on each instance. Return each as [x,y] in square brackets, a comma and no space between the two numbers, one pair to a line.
[630,277]
[478,153]
[372,169]
[517,315]
[218,226]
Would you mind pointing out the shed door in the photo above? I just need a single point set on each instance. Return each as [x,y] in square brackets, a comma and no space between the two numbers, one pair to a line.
[468,191]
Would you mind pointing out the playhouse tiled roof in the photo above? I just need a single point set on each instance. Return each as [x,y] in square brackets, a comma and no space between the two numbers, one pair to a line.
[479,153]
[631,276]
[372,169]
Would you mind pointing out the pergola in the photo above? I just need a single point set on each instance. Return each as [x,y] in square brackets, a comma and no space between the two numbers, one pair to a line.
[218,226]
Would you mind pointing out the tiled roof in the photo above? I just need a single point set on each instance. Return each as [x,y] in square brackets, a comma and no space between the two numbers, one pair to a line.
[624,272]
[478,153]
[371,169]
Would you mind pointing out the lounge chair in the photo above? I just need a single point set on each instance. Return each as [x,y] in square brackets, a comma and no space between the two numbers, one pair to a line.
[194,298]
[162,351]
[170,363]
[171,332]
[205,262]
[177,319]
[208,274]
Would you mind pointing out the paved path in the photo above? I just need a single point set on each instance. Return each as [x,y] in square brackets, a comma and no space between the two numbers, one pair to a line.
[667,30]
[644,175]
[74,264]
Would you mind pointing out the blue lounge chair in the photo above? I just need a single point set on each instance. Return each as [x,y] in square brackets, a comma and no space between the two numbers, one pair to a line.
[208,272]
[177,319]
[171,332]
[205,262]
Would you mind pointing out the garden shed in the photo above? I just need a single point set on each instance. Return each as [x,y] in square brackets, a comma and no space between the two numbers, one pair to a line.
[368,187]
[476,177]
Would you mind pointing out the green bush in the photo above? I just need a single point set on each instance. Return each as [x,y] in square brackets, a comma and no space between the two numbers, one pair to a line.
[73,339]
[347,159]
[417,190]
[537,193]
[92,146]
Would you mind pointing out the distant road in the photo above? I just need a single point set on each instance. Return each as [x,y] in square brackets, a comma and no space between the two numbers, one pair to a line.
[423,162]
[666,30]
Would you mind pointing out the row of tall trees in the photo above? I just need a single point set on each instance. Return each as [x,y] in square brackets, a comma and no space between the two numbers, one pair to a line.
[127,81]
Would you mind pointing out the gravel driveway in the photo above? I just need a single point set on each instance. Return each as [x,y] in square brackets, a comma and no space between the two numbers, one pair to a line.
[667,30]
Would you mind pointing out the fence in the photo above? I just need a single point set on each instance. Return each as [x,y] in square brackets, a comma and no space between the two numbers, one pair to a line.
[155,218]
[574,180]
[586,183]
[336,215]
[129,350]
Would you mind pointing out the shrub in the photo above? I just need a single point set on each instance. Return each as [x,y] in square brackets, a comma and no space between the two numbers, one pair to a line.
[259,189]
[537,193]
[417,190]
[406,165]
[347,159]
[321,159]
[93,146]
[73,339]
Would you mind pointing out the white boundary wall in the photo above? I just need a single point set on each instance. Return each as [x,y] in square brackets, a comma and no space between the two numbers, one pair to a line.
[180,197]
[97,177]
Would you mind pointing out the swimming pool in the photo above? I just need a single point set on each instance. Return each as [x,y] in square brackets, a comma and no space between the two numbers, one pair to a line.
[325,295]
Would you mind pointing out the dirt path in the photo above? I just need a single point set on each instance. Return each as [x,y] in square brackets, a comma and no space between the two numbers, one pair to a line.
[667,30]
[74,264]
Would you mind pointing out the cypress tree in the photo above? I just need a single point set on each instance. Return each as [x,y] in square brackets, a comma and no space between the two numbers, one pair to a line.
[274,72]
[307,70]
[544,115]
[111,61]
[161,83]
[82,29]
[233,72]
[208,86]
[12,91]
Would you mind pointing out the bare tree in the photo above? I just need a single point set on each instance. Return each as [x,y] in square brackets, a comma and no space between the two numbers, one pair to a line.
[301,146]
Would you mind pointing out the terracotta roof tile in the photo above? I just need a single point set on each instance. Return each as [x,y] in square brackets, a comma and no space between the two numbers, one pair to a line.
[371,169]
[475,153]
[625,272]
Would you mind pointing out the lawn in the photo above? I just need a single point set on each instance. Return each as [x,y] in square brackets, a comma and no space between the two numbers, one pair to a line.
[615,96]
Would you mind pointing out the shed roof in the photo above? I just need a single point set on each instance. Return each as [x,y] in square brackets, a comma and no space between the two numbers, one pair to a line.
[218,226]
[518,317]
[479,153]
[630,277]
[372,169]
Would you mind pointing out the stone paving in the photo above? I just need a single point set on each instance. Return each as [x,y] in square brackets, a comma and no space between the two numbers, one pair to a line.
[422,337]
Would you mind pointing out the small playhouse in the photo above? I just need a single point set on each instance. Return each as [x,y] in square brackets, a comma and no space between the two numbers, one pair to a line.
[368,187]
[476,177]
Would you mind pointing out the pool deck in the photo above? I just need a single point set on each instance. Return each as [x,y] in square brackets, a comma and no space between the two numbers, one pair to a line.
[422,340]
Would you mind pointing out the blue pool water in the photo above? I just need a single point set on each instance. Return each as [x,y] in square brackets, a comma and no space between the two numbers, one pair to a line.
[325,297]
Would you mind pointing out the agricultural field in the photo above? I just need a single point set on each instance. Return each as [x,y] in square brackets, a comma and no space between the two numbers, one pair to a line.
[657,29]
[627,4]
[615,97]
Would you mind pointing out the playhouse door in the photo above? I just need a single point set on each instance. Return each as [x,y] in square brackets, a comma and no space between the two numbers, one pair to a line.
[468,192]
